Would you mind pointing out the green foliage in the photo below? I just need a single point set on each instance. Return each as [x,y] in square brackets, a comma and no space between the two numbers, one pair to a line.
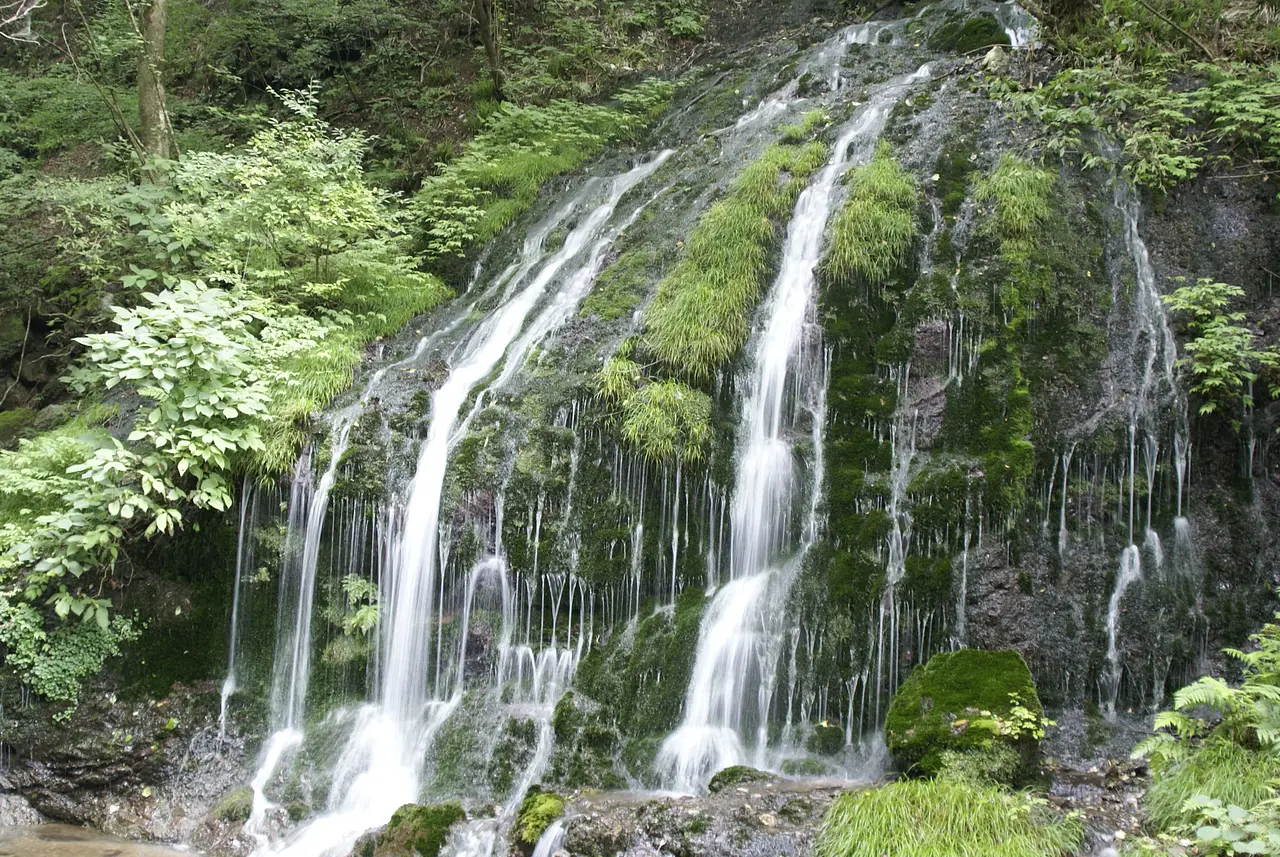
[42,115]
[809,125]
[1245,715]
[417,830]
[663,420]
[963,700]
[874,232]
[1217,770]
[1219,741]
[1138,72]
[928,818]
[251,280]
[537,811]
[983,766]
[701,314]
[362,605]
[498,176]
[1227,829]
[54,663]
[1022,196]
[1222,352]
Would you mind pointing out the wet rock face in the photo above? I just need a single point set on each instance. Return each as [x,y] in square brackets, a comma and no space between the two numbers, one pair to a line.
[141,770]
[765,818]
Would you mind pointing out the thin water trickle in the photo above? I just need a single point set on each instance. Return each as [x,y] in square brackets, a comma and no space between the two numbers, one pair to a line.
[731,687]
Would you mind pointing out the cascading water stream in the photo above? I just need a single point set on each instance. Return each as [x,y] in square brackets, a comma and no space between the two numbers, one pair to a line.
[1155,353]
[731,687]
[381,767]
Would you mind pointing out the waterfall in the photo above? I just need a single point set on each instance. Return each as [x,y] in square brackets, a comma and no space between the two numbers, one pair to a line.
[1155,355]
[731,687]
[381,767]
[244,559]
[551,840]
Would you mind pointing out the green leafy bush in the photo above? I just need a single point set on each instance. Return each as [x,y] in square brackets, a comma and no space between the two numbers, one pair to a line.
[1222,352]
[476,196]
[1231,755]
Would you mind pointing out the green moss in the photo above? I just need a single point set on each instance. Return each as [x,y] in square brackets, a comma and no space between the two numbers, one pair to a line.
[950,704]
[621,286]
[944,818]
[537,811]
[418,830]
[734,776]
[809,124]
[825,740]
[701,314]
[234,806]
[1219,769]
[15,425]
[962,37]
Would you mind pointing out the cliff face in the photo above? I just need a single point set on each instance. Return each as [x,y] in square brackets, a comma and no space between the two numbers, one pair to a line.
[986,445]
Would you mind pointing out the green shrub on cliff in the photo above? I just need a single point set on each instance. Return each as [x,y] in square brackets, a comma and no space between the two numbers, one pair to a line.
[873,233]
[968,700]
[1220,741]
[701,314]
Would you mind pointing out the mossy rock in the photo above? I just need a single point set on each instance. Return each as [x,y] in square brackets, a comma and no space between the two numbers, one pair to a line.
[825,740]
[733,776]
[234,806]
[415,830]
[537,811]
[15,425]
[951,704]
[962,37]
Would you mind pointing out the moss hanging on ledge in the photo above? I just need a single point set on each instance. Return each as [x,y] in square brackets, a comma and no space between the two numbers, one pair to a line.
[701,315]
[873,234]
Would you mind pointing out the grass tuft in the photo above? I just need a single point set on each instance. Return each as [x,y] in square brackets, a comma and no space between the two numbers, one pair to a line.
[873,234]
[701,314]
[944,818]
[1219,769]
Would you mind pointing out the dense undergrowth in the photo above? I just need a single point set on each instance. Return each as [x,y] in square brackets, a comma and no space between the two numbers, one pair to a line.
[1215,760]
[217,301]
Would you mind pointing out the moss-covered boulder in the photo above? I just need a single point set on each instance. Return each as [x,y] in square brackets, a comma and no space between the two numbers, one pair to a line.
[962,36]
[416,830]
[735,775]
[537,811]
[966,701]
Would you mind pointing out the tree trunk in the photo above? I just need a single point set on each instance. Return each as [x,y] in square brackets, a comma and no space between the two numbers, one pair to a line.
[486,14]
[153,113]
